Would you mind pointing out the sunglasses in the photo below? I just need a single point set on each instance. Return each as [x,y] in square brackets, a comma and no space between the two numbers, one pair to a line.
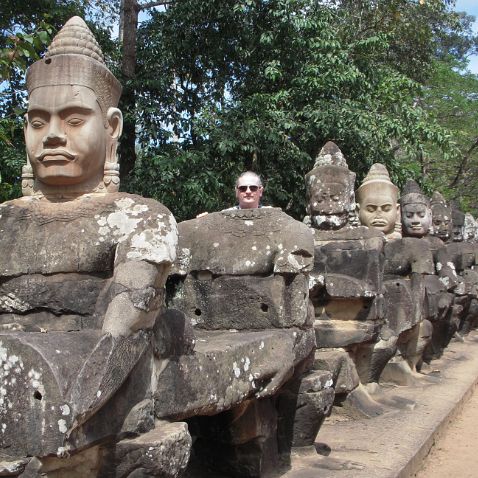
[243,189]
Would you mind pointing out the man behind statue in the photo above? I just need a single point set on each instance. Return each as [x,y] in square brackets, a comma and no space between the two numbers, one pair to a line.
[80,262]
[249,191]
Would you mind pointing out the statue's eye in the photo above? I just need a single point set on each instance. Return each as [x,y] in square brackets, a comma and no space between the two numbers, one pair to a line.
[387,208]
[371,208]
[36,123]
[409,215]
[75,121]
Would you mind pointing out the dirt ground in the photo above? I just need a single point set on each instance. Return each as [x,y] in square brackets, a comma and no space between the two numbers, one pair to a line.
[455,455]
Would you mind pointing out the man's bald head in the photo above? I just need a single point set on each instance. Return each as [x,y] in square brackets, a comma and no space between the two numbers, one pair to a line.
[249,190]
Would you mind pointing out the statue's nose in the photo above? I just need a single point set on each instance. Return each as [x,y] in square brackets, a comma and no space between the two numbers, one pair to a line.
[55,136]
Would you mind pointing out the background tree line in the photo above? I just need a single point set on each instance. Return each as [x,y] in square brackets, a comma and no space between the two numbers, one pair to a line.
[214,87]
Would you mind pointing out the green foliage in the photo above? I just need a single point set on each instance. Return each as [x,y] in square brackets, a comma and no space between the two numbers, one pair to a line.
[222,87]
[451,97]
[263,85]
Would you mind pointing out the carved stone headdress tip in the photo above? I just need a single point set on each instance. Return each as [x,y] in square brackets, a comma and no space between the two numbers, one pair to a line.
[75,38]
[378,174]
[412,194]
[75,58]
[330,155]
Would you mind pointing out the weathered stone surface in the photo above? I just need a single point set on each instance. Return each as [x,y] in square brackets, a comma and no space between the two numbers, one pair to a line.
[55,382]
[227,368]
[163,452]
[173,334]
[252,241]
[243,302]
[340,364]
[47,276]
[340,333]
[349,261]
[79,465]
[313,404]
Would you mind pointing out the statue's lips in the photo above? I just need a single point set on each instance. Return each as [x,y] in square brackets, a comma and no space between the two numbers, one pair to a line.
[379,223]
[59,156]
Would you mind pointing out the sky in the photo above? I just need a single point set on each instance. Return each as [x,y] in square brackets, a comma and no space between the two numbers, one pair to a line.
[470,7]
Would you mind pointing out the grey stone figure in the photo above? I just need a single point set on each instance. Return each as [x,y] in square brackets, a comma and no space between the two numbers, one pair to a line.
[409,271]
[345,283]
[82,270]
[241,280]
[448,266]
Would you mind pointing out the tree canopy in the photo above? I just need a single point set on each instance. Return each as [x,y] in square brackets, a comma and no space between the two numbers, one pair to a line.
[220,87]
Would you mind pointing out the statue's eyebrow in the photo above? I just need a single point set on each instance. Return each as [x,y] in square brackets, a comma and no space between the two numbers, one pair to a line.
[63,111]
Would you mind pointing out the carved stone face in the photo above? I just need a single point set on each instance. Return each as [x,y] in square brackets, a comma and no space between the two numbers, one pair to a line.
[416,219]
[442,224]
[329,205]
[379,209]
[458,233]
[65,135]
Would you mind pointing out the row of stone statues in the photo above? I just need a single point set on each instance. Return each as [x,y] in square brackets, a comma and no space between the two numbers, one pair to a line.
[390,294]
[131,346]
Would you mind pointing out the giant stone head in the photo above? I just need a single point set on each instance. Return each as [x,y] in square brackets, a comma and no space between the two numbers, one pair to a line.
[330,189]
[72,124]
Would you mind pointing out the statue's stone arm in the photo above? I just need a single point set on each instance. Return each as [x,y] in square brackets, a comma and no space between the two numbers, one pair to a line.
[137,290]
[146,244]
[446,270]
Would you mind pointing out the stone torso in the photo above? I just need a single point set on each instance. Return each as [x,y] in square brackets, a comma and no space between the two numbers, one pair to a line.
[242,269]
[58,258]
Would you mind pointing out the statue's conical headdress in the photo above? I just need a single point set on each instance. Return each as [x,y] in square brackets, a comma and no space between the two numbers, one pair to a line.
[412,194]
[331,155]
[440,206]
[331,166]
[458,216]
[438,199]
[75,58]
[378,175]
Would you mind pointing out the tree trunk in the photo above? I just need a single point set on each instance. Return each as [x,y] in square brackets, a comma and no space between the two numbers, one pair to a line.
[129,26]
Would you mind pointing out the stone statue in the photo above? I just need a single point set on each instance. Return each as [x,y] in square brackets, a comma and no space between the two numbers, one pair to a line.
[409,268]
[458,222]
[345,284]
[470,228]
[415,211]
[442,219]
[462,253]
[82,270]
[240,279]
[378,204]
[330,194]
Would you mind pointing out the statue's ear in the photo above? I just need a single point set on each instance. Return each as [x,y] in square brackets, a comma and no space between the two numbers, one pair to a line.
[115,122]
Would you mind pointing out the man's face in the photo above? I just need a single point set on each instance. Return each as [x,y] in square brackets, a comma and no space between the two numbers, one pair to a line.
[416,219]
[380,211]
[65,135]
[248,192]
